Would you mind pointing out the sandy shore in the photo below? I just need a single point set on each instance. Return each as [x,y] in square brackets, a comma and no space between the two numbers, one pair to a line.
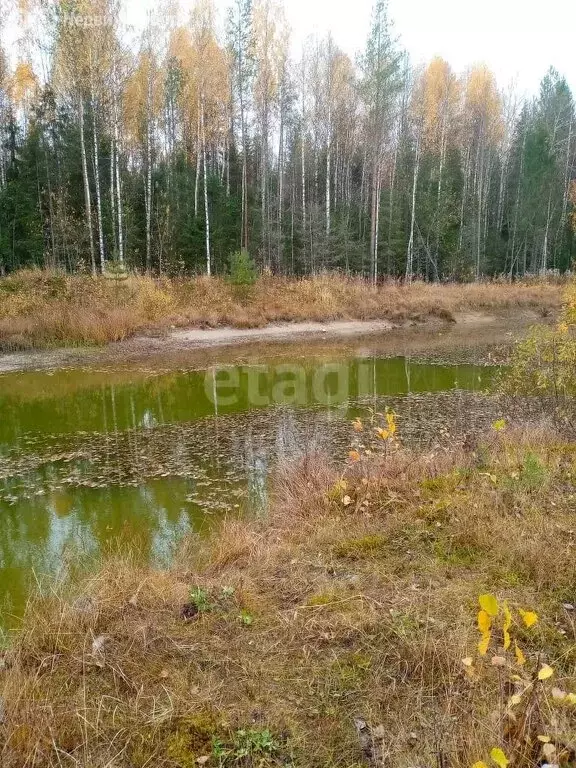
[182,340]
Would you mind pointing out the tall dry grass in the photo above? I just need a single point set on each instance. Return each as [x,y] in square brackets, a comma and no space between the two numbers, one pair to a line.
[360,615]
[42,309]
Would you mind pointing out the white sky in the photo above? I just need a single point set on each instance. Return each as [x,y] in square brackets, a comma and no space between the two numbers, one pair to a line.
[518,39]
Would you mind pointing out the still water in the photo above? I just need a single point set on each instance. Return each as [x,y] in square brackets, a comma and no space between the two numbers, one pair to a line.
[89,458]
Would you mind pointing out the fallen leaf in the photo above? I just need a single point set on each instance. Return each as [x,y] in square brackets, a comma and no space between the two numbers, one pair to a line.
[499,758]
[546,672]
[468,661]
[498,661]
[528,617]
[484,622]
[520,658]
[484,644]
[506,627]
[489,604]
[98,644]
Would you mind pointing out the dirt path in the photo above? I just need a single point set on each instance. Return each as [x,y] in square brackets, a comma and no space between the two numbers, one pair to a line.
[176,341]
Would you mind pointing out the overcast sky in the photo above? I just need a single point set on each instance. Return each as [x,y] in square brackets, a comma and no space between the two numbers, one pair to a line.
[518,39]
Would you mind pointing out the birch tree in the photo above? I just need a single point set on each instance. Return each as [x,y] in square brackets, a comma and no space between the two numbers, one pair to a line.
[380,85]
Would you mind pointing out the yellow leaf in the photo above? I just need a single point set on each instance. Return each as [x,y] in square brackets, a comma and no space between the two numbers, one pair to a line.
[354,456]
[545,673]
[506,626]
[484,622]
[358,426]
[489,604]
[384,434]
[516,699]
[468,661]
[507,617]
[520,658]
[499,758]
[528,617]
[500,425]
[480,764]
[484,644]
[570,698]
[544,739]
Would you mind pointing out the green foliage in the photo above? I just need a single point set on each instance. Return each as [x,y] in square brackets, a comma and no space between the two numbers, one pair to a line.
[115,270]
[456,553]
[365,547]
[545,363]
[248,746]
[243,271]
[534,474]
[246,618]
[201,600]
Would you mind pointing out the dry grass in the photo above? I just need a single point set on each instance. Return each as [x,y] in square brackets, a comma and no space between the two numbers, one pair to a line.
[340,613]
[42,309]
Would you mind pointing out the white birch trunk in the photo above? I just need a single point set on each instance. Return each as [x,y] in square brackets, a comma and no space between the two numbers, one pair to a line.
[198,161]
[87,198]
[149,130]
[113,195]
[206,211]
[98,194]
[119,198]
[280,179]
[410,255]
[328,174]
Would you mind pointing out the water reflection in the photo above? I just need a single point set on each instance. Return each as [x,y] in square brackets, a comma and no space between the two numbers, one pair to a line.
[153,459]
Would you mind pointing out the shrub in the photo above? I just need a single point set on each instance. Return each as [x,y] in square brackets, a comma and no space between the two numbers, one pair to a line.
[243,269]
[545,364]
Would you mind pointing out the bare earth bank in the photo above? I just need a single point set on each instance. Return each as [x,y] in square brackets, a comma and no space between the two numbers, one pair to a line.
[140,348]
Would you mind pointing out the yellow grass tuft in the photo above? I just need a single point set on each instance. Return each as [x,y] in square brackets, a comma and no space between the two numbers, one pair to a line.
[43,309]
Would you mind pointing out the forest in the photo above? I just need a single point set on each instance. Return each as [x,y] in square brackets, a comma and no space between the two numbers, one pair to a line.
[169,150]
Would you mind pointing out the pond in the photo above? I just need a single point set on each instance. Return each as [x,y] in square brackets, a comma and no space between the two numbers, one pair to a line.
[90,458]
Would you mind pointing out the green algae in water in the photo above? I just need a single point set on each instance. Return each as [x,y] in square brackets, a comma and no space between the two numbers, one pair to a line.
[90,459]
